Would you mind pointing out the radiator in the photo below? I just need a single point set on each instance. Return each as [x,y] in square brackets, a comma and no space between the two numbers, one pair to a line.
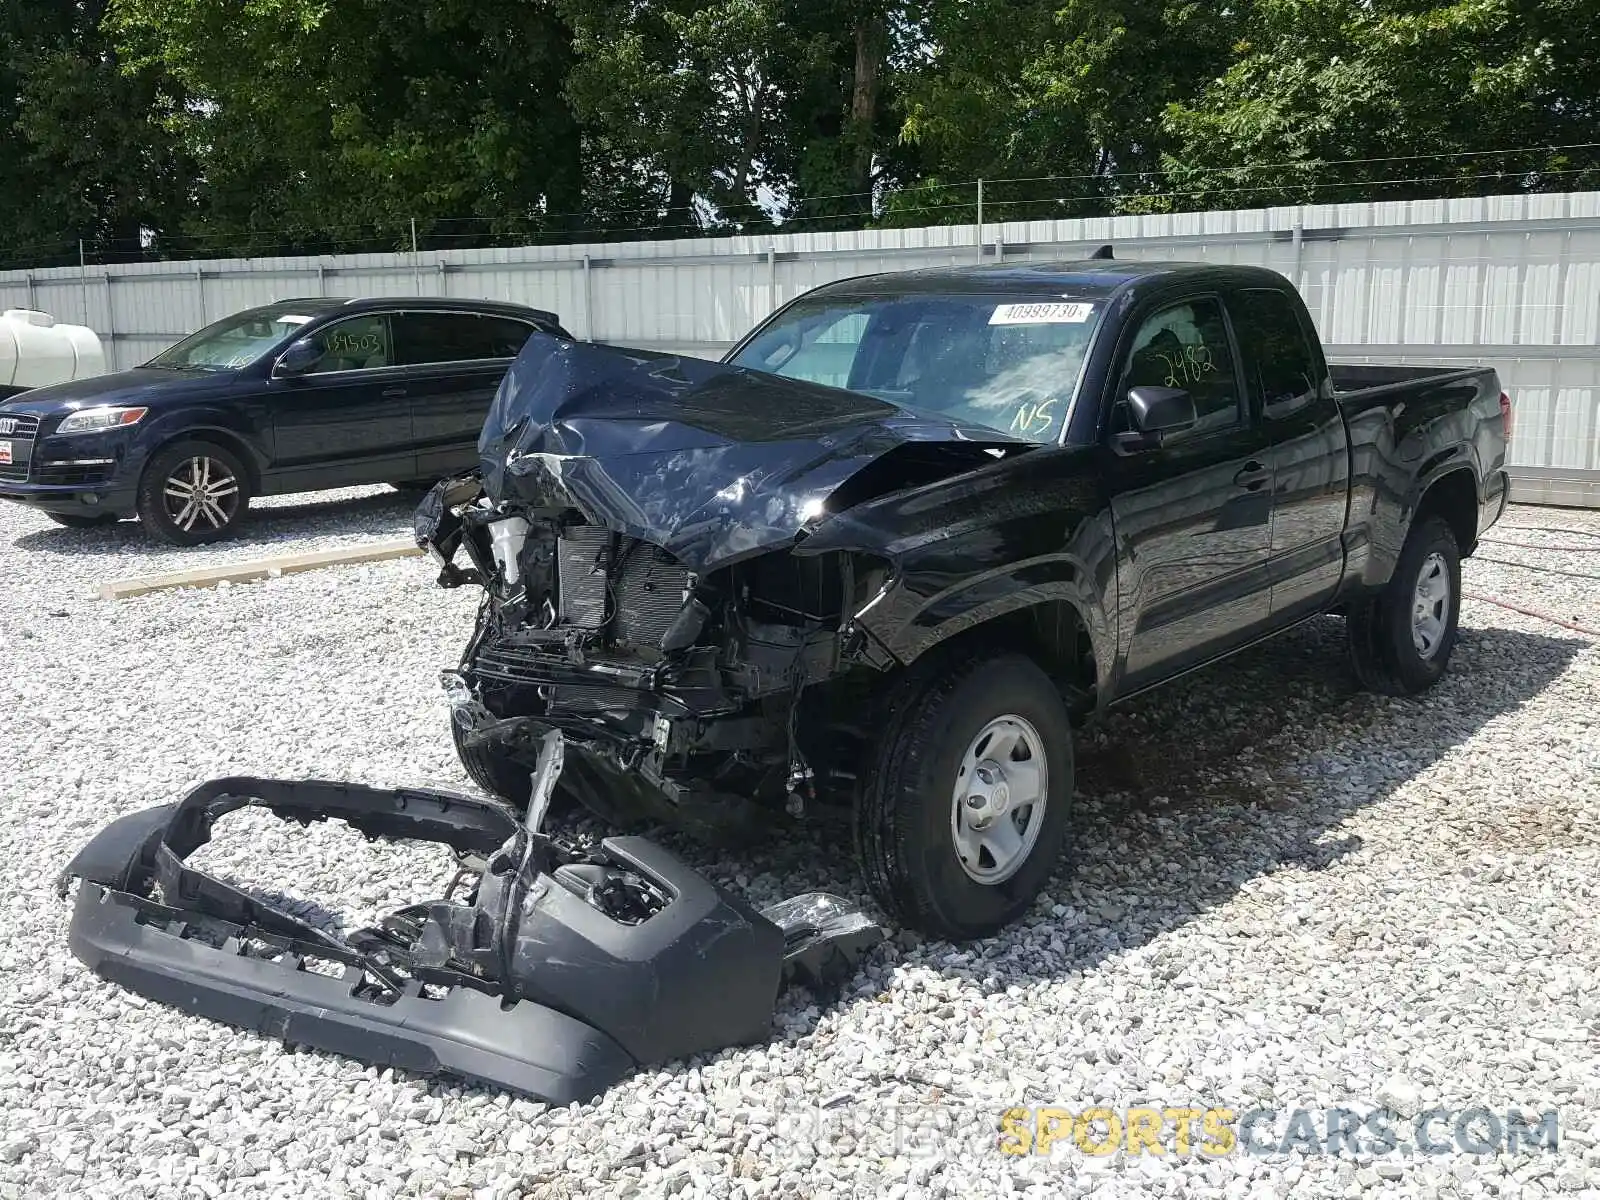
[582,560]
[650,590]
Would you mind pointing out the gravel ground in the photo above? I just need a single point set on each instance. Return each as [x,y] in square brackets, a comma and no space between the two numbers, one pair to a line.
[1288,894]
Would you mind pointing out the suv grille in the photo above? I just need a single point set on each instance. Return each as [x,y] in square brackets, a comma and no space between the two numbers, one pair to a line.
[20,431]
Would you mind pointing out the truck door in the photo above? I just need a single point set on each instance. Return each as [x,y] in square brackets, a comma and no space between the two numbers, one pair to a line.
[1193,517]
[1310,453]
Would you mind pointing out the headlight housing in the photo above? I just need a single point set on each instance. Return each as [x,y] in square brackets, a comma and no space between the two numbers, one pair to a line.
[98,420]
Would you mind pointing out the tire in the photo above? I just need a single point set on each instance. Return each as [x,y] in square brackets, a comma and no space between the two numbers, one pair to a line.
[906,817]
[502,777]
[77,521]
[173,474]
[1401,639]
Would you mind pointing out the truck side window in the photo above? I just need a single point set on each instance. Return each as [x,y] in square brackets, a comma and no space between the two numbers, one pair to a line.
[1186,346]
[1284,367]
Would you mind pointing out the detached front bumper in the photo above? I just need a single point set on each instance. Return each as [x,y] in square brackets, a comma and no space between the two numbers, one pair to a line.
[564,969]
[528,1047]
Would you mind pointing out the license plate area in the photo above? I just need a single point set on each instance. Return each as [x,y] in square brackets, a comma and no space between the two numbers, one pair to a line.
[5,453]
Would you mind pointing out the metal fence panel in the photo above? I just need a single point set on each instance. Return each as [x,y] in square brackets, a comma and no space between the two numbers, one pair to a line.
[1512,281]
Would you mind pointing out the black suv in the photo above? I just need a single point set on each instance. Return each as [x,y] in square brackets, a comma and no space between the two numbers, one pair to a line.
[292,397]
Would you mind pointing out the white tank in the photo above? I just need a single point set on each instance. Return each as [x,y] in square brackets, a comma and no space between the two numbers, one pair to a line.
[36,351]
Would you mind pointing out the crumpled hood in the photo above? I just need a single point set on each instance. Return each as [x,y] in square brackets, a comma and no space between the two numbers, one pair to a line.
[712,462]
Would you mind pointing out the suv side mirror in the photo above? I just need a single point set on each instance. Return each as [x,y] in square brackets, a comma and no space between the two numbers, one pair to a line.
[297,359]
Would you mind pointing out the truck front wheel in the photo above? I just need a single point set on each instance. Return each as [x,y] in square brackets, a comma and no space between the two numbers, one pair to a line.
[965,809]
[503,777]
[1401,639]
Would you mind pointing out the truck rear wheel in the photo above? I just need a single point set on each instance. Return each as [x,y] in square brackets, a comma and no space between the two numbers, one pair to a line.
[1401,639]
[966,809]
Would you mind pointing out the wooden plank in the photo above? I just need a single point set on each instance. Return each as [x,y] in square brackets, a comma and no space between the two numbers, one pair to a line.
[264,568]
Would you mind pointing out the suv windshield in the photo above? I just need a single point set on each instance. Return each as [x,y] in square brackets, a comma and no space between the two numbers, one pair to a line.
[1000,361]
[236,341]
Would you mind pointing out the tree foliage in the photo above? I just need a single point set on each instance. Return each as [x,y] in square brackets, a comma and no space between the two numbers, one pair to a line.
[1366,99]
[265,126]
[84,148]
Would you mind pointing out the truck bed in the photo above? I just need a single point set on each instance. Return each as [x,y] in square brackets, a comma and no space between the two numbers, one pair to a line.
[1360,377]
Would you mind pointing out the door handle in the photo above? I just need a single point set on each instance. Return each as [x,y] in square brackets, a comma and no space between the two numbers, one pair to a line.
[1252,476]
[394,391]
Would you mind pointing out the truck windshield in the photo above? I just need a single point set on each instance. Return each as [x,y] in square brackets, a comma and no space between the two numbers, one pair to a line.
[1007,362]
[235,341]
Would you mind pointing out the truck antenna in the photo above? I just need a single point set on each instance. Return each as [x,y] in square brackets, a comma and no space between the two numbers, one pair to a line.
[1103,252]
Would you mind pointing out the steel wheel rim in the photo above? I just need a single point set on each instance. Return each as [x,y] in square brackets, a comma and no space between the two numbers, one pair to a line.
[200,492]
[997,805]
[1430,605]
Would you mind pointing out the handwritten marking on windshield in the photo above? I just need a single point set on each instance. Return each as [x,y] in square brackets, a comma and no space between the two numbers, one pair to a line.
[1030,418]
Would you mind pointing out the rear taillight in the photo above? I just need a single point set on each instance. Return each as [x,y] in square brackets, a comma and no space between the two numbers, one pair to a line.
[1505,414]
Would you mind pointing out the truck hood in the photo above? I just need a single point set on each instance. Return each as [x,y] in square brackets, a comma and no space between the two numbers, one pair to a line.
[142,385]
[712,462]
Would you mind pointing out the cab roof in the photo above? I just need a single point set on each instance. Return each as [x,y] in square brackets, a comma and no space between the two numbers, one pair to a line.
[1088,279]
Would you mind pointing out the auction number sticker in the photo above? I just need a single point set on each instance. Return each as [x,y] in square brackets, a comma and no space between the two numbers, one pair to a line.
[1041,314]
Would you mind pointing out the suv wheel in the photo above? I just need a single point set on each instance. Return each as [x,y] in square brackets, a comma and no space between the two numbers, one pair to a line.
[966,810]
[1401,639]
[193,492]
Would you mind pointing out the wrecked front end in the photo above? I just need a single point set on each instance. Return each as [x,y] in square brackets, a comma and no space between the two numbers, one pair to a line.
[565,966]
[638,525]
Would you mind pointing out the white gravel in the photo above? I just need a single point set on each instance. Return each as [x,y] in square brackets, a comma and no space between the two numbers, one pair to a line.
[1289,893]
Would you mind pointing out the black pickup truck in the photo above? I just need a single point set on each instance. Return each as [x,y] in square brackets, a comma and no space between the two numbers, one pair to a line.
[916,527]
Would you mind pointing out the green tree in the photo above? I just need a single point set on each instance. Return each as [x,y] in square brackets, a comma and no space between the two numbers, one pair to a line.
[698,95]
[1384,99]
[84,150]
[1075,89]
[334,122]
[733,113]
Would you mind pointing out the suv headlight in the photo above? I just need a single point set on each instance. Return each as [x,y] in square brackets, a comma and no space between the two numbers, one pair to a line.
[98,420]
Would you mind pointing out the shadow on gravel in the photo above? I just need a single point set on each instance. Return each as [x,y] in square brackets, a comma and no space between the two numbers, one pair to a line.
[265,527]
[1187,793]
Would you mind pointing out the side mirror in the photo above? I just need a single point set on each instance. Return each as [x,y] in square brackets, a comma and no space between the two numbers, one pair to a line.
[297,359]
[1161,409]
[1155,412]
